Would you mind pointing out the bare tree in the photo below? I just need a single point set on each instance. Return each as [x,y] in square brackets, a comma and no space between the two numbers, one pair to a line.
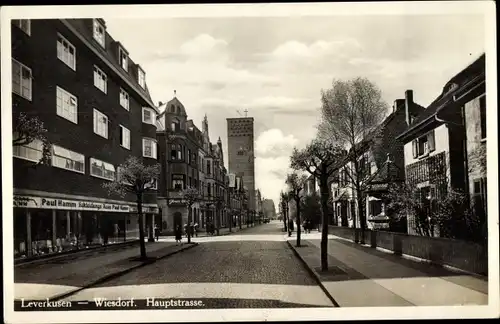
[296,184]
[30,129]
[351,111]
[285,198]
[192,195]
[136,178]
[319,159]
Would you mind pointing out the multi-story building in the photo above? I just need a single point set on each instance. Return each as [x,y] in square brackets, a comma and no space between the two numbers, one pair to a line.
[441,144]
[381,161]
[240,132]
[188,159]
[93,100]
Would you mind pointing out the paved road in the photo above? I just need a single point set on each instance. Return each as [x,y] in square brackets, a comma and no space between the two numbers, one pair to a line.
[253,269]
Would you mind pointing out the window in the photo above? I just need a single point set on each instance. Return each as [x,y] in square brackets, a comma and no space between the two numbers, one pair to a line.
[178,181]
[149,148]
[209,188]
[124,137]
[148,116]
[189,156]
[209,169]
[179,152]
[424,145]
[23,24]
[124,100]
[99,33]
[482,114]
[480,198]
[175,125]
[100,79]
[375,207]
[101,169]
[141,78]
[173,151]
[67,105]
[66,52]
[66,159]
[21,80]
[123,57]
[31,152]
[100,123]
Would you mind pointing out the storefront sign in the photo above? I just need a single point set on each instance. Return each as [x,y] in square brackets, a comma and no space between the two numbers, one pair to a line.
[177,201]
[65,204]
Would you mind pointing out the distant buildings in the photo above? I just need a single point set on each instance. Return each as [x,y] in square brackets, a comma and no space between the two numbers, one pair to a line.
[94,101]
[269,209]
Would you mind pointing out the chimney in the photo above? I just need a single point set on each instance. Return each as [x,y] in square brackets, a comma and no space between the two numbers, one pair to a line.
[408,103]
[398,104]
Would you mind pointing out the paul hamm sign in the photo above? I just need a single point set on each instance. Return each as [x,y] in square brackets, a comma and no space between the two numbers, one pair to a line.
[52,203]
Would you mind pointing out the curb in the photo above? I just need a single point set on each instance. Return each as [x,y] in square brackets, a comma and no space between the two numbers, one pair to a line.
[314,274]
[119,274]
[49,257]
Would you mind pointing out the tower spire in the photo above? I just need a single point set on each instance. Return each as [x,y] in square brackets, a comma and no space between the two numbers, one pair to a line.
[175,93]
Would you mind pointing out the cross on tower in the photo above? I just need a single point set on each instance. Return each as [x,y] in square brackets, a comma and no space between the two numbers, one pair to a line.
[245,111]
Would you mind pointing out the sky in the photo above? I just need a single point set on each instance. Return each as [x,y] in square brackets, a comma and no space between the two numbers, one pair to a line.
[275,68]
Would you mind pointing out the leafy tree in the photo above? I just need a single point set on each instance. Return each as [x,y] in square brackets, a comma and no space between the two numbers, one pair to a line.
[296,184]
[192,195]
[29,129]
[319,159]
[285,198]
[311,208]
[477,159]
[136,178]
[350,113]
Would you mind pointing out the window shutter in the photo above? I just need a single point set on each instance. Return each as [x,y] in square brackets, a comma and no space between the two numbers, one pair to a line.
[431,141]
[414,147]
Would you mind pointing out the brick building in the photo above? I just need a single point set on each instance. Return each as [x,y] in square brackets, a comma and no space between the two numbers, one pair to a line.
[240,132]
[188,159]
[94,102]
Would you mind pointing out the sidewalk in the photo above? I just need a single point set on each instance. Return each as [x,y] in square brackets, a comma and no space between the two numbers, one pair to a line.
[58,277]
[361,277]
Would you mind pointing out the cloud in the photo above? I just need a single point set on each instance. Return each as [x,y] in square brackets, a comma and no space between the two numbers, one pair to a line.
[273,143]
[270,175]
[320,48]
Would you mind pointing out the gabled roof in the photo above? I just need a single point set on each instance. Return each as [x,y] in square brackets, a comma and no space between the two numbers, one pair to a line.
[452,87]
[174,106]
[83,28]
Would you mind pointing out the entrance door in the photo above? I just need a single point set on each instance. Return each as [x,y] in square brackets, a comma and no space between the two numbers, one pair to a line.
[177,220]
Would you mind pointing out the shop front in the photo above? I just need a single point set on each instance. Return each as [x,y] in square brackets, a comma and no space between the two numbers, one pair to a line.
[45,225]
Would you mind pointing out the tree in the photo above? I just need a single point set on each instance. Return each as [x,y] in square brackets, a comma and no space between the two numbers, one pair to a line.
[30,129]
[136,178]
[311,209]
[296,185]
[192,195]
[350,113]
[320,158]
[285,198]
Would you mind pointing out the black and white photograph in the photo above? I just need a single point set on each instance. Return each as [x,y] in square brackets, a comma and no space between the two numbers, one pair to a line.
[249,162]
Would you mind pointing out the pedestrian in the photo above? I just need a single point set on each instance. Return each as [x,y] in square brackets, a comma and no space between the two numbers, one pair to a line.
[196,229]
[157,232]
[178,235]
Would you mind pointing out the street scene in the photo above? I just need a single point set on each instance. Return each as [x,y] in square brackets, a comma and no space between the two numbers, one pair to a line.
[266,163]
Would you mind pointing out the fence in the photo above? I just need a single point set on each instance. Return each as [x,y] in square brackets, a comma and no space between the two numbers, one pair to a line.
[463,255]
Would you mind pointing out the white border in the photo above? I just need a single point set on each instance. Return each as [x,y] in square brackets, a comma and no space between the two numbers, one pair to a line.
[487,8]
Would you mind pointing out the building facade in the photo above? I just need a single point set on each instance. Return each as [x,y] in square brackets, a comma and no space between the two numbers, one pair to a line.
[189,160]
[381,162]
[442,144]
[240,132]
[94,102]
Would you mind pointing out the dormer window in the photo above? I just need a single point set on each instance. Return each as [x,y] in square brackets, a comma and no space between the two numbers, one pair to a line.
[141,78]
[123,59]
[99,33]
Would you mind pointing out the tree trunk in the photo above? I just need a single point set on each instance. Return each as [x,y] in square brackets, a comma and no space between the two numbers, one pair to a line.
[324,212]
[284,220]
[188,227]
[239,217]
[297,201]
[217,219]
[150,228]
[361,215]
[141,227]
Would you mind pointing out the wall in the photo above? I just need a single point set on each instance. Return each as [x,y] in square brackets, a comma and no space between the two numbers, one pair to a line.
[463,255]
[474,141]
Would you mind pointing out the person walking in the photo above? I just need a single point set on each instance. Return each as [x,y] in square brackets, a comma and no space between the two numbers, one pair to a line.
[178,234]
[157,232]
